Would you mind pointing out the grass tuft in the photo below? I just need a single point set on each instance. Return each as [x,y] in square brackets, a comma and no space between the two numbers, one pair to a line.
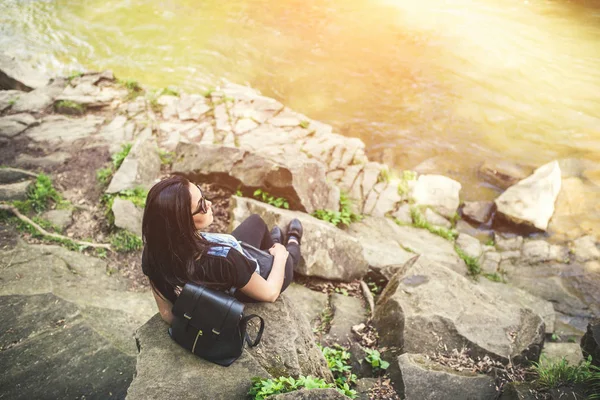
[561,373]
[343,217]
[472,263]
[69,107]
[124,241]
[419,221]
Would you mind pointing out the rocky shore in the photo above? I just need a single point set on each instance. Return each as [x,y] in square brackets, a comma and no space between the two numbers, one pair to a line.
[465,295]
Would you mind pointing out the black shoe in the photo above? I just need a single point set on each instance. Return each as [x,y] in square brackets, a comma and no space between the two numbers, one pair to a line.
[277,235]
[294,230]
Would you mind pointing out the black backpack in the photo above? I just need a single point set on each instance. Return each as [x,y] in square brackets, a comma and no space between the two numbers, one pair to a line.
[211,324]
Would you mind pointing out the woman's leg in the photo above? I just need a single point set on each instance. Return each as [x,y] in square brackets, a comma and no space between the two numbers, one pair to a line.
[254,231]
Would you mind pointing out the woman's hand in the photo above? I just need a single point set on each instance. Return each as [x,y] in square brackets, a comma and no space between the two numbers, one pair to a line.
[279,250]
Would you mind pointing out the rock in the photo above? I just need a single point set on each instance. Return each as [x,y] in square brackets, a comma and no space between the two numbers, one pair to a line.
[55,313]
[590,342]
[465,227]
[14,191]
[347,312]
[45,162]
[310,394]
[9,97]
[360,366]
[436,219]
[569,287]
[140,168]
[490,262]
[12,125]
[364,386]
[310,302]
[402,214]
[425,296]
[522,298]
[40,99]
[514,243]
[287,349]
[478,211]
[554,352]
[11,175]
[127,216]
[439,192]
[531,201]
[420,378]
[117,132]
[89,95]
[59,218]
[585,249]
[301,181]
[470,245]
[379,246]
[20,76]
[62,130]
[503,174]
[536,251]
[387,200]
[327,251]
[519,391]
[576,211]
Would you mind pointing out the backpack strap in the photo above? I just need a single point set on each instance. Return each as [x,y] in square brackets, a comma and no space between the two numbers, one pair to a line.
[244,323]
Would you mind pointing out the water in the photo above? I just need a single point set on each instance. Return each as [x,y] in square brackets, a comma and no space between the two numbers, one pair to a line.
[452,82]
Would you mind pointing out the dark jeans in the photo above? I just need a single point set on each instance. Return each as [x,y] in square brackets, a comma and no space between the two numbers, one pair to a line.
[254,231]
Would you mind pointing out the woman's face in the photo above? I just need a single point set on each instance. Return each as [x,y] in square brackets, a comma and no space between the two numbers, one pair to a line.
[201,220]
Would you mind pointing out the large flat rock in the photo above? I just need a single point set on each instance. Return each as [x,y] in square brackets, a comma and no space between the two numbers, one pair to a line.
[427,306]
[287,348]
[327,251]
[298,179]
[15,74]
[57,129]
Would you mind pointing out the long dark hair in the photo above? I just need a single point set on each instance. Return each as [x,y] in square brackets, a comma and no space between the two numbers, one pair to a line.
[172,242]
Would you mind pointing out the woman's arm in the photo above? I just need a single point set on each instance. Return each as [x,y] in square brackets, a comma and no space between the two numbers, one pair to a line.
[268,290]
[164,307]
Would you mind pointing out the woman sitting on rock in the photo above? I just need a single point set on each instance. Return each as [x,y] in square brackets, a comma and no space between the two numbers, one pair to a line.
[177,252]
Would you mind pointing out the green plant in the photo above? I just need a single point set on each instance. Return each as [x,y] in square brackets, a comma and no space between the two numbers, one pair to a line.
[46,225]
[12,101]
[374,288]
[40,194]
[208,92]
[262,388]
[265,197]
[124,241]
[74,75]
[69,107]
[341,291]
[304,124]
[338,361]
[472,263]
[419,221]
[551,375]
[373,357]
[490,242]
[384,175]
[239,193]
[103,175]
[343,217]
[166,157]
[118,157]
[132,86]
[403,185]
[169,91]
[495,277]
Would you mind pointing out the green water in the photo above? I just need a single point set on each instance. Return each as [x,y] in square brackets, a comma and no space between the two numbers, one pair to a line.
[450,82]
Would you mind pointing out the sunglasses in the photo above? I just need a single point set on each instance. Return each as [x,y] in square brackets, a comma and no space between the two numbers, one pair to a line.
[202,206]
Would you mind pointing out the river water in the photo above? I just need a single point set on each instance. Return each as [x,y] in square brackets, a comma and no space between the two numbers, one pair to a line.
[448,82]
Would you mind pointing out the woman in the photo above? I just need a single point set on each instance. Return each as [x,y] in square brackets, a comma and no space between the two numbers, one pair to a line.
[176,252]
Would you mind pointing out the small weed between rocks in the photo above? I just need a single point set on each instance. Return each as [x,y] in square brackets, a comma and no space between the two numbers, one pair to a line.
[403,184]
[304,124]
[24,227]
[338,361]
[552,375]
[12,102]
[169,91]
[325,319]
[132,86]
[262,388]
[490,243]
[137,196]
[343,217]
[265,197]
[472,262]
[495,277]
[124,241]
[74,75]
[69,107]
[40,196]
[419,221]
[166,157]
[384,175]
[373,357]
[103,175]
